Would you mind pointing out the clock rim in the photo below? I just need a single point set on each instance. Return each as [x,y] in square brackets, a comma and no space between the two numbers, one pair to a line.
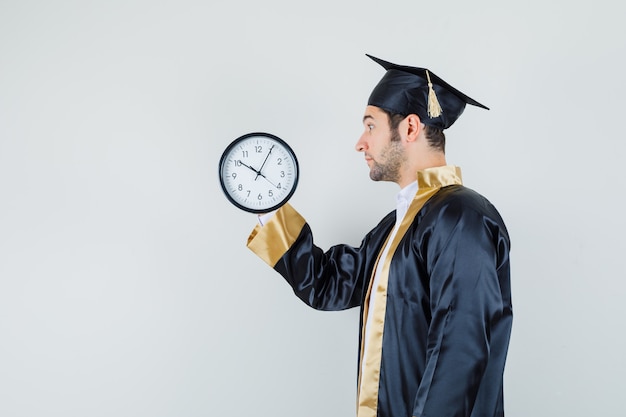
[284,200]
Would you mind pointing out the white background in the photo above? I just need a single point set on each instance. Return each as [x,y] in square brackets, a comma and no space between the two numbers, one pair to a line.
[126,288]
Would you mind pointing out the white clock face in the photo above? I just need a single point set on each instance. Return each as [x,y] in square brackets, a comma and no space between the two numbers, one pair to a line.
[258,172]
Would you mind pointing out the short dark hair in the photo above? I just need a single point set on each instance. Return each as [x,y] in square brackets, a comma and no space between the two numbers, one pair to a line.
[436,138]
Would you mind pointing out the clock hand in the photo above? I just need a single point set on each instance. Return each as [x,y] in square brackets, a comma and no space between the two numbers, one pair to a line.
[259,172]
[266,179]
[248,166]
[263,164]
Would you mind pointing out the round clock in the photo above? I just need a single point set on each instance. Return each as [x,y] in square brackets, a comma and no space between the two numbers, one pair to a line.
[258,172]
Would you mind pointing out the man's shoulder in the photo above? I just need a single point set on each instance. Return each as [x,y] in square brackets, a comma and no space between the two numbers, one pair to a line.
[461,200]
[458,194]
[387,222]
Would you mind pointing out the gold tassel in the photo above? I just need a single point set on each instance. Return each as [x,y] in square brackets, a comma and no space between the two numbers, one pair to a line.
[434,109]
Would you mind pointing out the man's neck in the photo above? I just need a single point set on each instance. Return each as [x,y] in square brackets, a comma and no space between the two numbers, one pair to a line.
[410,174]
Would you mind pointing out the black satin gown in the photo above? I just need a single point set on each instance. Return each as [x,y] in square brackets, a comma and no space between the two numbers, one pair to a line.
[447,315]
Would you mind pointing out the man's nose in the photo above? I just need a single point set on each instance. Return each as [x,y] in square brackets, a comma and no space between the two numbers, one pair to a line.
[361,144]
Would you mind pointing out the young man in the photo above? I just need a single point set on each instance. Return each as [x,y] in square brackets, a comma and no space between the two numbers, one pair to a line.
[432,278]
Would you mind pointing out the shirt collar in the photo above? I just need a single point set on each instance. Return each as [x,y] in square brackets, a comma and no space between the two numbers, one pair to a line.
[406,194]
[404,198]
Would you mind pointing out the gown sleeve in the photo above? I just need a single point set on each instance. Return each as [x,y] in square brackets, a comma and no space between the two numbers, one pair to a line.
[325,280]
[466,257]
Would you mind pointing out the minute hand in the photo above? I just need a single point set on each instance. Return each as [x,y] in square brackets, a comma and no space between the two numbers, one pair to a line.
[262,165]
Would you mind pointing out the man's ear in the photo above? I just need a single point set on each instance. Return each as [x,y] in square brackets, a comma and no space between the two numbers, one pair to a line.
[414,127]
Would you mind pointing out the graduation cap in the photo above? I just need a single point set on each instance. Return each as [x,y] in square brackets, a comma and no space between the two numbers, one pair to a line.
[411,90]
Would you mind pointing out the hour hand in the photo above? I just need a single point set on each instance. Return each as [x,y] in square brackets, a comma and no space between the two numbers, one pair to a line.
[248,166]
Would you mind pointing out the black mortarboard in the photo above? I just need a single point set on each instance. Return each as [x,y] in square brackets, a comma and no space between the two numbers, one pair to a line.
[411,90]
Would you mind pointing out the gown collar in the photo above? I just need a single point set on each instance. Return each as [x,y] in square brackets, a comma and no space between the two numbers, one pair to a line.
[439,177]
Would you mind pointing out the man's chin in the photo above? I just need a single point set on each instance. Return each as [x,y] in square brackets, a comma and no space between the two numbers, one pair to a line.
[375,177]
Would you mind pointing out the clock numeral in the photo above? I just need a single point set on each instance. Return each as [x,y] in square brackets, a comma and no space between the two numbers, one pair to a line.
[282,174]
[237,162]
[244,154]
[260,196]
[279,186]
[280,161]
[240,187]
[258,149]
[270,193]
[234,175]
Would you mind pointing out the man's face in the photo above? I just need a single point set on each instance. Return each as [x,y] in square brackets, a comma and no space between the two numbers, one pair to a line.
[382,147]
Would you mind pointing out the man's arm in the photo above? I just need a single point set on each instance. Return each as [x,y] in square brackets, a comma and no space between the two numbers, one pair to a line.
[325,280]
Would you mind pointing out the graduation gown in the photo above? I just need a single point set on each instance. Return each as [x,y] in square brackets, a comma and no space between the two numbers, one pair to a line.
[442,315]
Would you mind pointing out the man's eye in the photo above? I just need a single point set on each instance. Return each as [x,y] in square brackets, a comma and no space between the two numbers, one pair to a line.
[370,127]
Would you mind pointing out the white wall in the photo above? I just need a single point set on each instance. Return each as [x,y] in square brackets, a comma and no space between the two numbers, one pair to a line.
[126,288]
